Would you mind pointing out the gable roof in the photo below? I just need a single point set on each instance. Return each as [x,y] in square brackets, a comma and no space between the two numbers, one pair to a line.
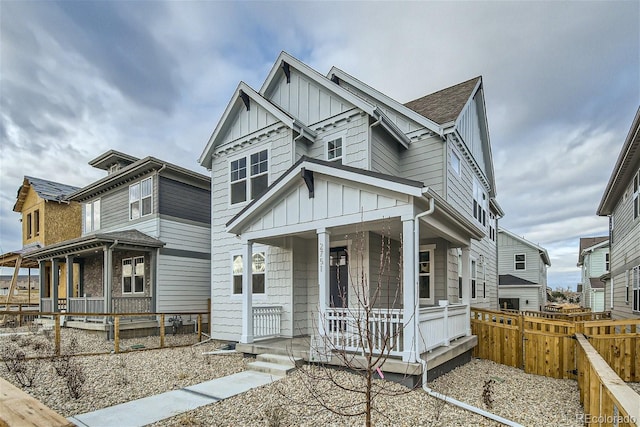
[444,106]
[46,190]
[542,251]
[133,171]
[624,170]
[590,244]
[511,280]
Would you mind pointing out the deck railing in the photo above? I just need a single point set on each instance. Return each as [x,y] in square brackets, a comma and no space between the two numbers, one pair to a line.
[344,327]
[87,305]
[131,304]
[266,321]
[438,326]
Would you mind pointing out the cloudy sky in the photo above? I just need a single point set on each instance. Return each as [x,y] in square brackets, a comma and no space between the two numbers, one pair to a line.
[153,78]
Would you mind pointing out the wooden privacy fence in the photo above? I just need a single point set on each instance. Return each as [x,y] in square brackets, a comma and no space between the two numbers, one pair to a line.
[546,346]
[606,399]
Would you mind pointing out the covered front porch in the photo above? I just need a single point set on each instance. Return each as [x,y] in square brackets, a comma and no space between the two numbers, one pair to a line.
[100,273]
[374,264]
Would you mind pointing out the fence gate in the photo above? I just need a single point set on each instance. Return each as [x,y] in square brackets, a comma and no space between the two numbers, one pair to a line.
[549,348]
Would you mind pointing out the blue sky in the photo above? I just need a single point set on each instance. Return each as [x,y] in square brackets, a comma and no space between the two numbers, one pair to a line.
[153,78]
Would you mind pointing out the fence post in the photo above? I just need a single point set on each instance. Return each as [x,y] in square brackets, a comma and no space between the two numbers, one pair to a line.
[520,350]
[57,332]
[19,314]
[199,327]
[161,330]
[116,334]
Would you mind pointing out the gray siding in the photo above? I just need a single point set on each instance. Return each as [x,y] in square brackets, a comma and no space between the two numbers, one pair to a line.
[524,294]
[508,248]
[184,201]
[423,162]
[385,279]
[385,153]
[183,284]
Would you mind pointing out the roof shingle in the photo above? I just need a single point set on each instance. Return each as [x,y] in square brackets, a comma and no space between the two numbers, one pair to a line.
[445,105]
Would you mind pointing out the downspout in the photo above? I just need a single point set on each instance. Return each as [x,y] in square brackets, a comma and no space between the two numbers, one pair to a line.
[416,263]
[293,149]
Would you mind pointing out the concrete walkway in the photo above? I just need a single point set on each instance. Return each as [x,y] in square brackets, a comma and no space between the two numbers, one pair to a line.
[155,408]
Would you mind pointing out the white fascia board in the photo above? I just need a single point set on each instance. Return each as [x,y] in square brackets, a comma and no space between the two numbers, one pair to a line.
[391,127]
[602,244]
[386,100]
[205,157]
[317,78]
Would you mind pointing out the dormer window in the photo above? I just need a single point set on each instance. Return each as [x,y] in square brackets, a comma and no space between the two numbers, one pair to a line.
[141,199]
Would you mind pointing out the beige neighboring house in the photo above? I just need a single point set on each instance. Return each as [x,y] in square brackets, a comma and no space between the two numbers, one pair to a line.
[621,203]
[593,261]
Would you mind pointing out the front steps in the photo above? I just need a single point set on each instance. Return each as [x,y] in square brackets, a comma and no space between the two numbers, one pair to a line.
[274,364]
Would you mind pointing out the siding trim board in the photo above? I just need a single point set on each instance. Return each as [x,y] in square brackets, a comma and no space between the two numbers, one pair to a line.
[179,253]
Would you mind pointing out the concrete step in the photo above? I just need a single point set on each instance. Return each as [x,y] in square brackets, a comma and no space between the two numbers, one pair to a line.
[280,359]
[274,369]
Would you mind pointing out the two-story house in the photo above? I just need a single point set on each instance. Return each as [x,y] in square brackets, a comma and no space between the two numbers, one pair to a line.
[594,262]
[145,243]
[339,194]
[522,266]
[47,218]
[621,203]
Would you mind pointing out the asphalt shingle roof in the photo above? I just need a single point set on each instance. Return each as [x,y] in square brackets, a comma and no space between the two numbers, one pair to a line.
[511,280]
[50,190]
[444,105]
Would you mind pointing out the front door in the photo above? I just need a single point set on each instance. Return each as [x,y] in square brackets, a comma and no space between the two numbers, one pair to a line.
[339,277]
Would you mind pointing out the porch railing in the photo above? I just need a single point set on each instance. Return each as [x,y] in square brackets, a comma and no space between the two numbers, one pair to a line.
[343,326]
[266,321]
[438,326]
[46,305]
[86,305]
[131,304]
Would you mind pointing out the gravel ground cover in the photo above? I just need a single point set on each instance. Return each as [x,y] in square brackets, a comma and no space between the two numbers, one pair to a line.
[116,378]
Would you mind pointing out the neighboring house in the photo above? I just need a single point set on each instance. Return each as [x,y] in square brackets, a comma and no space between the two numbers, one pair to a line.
[145,245]
[522,266]
[311,173]
[593,260]
[621,203]
[47,218]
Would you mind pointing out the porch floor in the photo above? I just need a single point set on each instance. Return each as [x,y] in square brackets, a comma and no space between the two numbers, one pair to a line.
[300,346]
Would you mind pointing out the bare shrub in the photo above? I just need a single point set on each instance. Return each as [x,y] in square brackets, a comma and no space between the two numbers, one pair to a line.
[121,372]
[275,416]
[15,360]
[487,393]
[70,369]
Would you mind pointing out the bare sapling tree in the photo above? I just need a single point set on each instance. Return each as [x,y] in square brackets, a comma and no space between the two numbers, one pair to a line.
[360,331]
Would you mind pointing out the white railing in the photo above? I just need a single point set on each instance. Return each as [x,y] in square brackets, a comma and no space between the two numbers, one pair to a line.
[266,321]
[346,329]
[86,305]
[438,326]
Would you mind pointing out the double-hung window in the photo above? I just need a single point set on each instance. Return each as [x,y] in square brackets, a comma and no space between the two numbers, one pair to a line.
[636,195]
[425,274]
[479,203]
[636,288]
[455,162]
[474,278]
[520,261]
[91,216]
[141,198]
[334,149]
[258,267]
[133,275]
[249,184]
[607,262]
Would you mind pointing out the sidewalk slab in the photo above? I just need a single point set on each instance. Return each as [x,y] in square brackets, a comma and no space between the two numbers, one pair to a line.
[138,413]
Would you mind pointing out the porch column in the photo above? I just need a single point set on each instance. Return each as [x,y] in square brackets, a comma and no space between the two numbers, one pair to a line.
[409,291]
[247,293]
[41,282]
[153,260]
[69,263]
[323,279]
[55,279]
[466,285]
[107,273]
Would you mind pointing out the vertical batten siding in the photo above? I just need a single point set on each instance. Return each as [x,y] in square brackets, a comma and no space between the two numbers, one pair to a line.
[469,127]
[246,122]
[183,284]
[423,162]
[384,153]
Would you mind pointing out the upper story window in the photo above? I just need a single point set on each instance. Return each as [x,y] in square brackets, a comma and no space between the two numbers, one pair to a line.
[606,261]
[636,288]
[141,198]
[455,162]
[334,149]
[91,216]
[520,261]
[258,277]
[29,226]
[425,273]
[492,226]
[636,195]
[479,203]
[474,278]
[36,222]
[245,186]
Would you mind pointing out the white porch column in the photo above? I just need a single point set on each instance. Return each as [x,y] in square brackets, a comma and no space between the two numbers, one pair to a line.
[466,285]
[323,279]
[409,292]
[247,293]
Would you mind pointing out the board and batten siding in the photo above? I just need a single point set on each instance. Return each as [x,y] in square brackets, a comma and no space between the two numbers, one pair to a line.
[247,121]
[625,254]
[305,99]
[185,201]
[470,128]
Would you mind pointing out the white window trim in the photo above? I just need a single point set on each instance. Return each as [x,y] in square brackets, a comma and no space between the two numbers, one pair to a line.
[133,276]
[256,249]
[140,199]
[333,137]
[86,229]
[479,197]
[247,155]
[460,281]
[432,274]
[516,262]
[454,155]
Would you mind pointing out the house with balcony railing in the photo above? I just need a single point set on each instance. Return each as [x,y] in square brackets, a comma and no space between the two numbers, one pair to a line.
[144,247]
[336,207]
